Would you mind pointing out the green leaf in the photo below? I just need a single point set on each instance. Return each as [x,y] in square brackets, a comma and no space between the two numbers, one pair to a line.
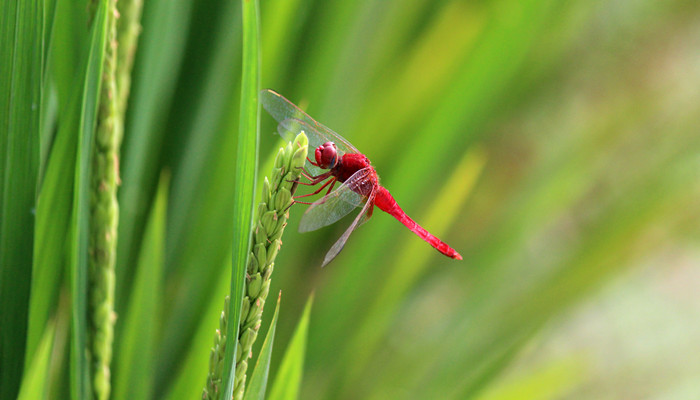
[21,79]
[55,200]
[194,365]
[244,183]
[137,345]
[202,135]
[52,225]
[288,378]
[258,380]
[160,52]
[78,247]
[35,380]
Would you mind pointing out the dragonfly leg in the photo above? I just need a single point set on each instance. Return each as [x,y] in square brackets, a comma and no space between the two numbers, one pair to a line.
[315,180]
[319,189]
[325,196]
[331,188]
[311,162]
[310,178]
[311,194]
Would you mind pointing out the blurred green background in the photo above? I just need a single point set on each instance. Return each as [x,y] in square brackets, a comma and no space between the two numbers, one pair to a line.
[554,144]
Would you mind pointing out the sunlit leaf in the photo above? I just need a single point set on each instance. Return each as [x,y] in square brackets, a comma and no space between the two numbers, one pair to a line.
[244,182]
[287,382]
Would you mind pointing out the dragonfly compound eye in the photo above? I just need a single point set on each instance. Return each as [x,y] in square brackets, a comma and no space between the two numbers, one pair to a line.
[326,155]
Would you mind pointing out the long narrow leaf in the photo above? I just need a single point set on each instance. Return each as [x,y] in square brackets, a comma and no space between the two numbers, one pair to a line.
[35,380]
[160,52]
[203,137]
[247,156]
[134,362]
[78,253]
[53,211]
[21,78]
[53,215]
[195,363]
[288,378]
[258,380]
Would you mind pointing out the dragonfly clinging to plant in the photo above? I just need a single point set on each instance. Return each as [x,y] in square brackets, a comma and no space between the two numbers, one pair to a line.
[338,161]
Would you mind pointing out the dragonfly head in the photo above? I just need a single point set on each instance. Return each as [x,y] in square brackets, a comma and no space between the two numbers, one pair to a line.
[327,155]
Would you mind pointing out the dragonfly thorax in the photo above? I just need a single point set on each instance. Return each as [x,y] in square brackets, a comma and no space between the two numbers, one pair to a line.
[327,155]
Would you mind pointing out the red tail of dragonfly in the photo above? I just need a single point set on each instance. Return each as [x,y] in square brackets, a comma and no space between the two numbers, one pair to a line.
[336,160]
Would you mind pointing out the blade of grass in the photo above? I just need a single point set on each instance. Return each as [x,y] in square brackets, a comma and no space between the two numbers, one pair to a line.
[78,250]
[35,380]
[159,57]
[53,217]
[49,100]
[68,45]
[193,371]
[133,378]
[283,21]
[258,380]
[58,377]
[205,130]
[56,189]
[247,157]
[199,113]
[21,69]
[288,379]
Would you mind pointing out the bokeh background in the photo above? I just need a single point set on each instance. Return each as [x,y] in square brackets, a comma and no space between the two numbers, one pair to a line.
[554,144]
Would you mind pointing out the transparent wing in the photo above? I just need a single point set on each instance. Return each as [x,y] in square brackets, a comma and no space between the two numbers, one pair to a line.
[340,243]
[291,127]
[292,120]
[336,204]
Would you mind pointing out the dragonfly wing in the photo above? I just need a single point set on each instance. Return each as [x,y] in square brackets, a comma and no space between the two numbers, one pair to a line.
[340,243]
[282,110]
[336,204]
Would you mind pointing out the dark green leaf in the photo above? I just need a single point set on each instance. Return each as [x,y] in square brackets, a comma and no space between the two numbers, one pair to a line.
[78,248]
[21,80]
[135,361]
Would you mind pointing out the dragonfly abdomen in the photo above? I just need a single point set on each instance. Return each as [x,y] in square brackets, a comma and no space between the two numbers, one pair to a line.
[385,201]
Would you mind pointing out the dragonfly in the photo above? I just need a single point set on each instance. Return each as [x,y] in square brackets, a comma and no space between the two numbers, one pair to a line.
[338,161]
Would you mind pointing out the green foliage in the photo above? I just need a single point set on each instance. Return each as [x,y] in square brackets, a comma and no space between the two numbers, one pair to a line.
[21,72]
[288,379]
[553,144]
[244,186]
[136,360]
[79,223]
[35,380]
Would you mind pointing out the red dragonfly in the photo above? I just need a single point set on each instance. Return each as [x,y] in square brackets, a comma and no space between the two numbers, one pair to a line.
[339,161]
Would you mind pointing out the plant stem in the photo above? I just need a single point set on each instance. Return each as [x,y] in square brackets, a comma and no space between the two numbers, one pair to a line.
[272,215]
